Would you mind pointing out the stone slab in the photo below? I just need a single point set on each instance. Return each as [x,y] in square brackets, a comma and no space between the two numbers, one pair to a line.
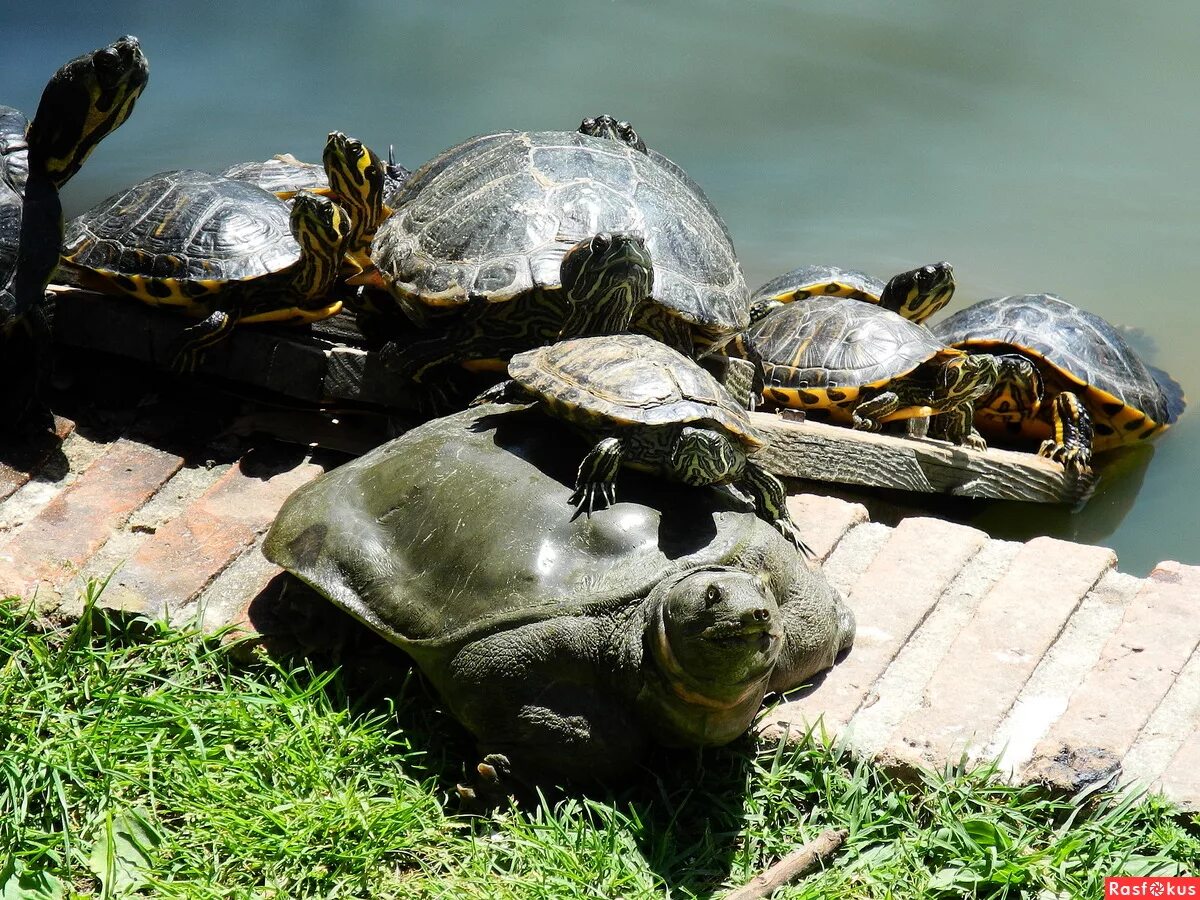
[1136,668]
[1067,663]
[899,690]
[994,655]
[823,521]
[48,550]
[890,600]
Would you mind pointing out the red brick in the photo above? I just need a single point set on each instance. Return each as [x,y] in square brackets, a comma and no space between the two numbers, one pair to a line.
[990,660]
[183,556]
[824,520]
[1135,670]
[21,462]
[50,547]
[890,600]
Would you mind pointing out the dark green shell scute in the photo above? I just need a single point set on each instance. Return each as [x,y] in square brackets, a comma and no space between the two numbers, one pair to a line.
[458,528]
[185,224]
[1079,343]
[840,341]
[520,199]
[632,379]
[805,278]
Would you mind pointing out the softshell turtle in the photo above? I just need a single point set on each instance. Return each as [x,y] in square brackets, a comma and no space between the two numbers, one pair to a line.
[564,645]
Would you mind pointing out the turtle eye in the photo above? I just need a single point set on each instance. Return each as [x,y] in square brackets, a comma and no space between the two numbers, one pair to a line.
[587,125]
[713,594]
[601,244]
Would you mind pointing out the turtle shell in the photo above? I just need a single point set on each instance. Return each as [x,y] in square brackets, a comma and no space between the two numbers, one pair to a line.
[14,170]
[282,174]
[822,353]
[820,281]
[458,527]
[629,380]
[492,217]
[179,227]
[1075,350]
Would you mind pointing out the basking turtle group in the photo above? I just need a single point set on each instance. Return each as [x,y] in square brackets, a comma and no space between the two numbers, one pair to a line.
[587,283]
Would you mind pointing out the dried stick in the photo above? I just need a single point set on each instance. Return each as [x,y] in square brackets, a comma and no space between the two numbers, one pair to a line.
[791,867]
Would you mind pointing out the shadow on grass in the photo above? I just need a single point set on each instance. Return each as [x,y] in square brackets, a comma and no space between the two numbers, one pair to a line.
[684,810]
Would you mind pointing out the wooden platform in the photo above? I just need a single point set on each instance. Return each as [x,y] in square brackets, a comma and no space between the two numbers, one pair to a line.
[328,365]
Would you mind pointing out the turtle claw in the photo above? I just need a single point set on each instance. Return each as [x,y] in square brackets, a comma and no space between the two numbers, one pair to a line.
[1075,460]
[789,531]
[594,495]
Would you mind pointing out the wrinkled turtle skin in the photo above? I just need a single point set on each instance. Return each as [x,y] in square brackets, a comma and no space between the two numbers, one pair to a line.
[566,645]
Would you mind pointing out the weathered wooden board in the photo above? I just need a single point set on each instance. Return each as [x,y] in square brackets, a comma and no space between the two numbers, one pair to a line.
[815,450]
[322,364]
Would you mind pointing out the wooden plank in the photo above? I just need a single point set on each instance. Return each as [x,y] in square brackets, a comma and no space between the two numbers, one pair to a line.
[822,452]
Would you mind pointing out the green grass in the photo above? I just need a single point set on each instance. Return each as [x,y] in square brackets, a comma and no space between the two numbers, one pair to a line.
[139,760]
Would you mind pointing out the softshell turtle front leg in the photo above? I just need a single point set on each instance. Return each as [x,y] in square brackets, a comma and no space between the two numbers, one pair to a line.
[1072,441]
[770,504]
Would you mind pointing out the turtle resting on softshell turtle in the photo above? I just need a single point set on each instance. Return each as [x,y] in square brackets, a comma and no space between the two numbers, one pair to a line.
[565,645]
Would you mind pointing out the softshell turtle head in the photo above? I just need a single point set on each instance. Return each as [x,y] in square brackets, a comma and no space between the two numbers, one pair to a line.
[717,637]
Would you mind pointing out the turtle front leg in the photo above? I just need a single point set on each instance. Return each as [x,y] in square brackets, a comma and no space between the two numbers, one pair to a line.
[1072,441]
[957,425]
[187,350]
[770,504]
[504,392]
[597,478]
[869,414]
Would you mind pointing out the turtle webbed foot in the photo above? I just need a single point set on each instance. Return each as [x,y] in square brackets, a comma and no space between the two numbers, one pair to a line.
[1076,460]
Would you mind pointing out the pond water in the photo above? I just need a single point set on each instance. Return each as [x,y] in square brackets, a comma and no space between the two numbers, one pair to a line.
[1038,147]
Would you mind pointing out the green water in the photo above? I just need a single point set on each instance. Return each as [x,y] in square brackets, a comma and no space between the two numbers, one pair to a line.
[1037,146]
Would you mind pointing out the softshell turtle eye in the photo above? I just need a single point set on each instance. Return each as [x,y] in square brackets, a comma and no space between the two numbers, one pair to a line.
[713,594]
[601,244]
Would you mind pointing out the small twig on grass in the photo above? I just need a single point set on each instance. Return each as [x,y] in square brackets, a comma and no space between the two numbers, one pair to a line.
[792,866]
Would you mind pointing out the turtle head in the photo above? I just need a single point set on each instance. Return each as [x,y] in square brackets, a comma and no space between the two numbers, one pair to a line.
[1018,391]
[967,377]
[605,126]
[85,100]
[356,177]
[320,227]
[701,456]
[717,633]
[605,278]
[919,293]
